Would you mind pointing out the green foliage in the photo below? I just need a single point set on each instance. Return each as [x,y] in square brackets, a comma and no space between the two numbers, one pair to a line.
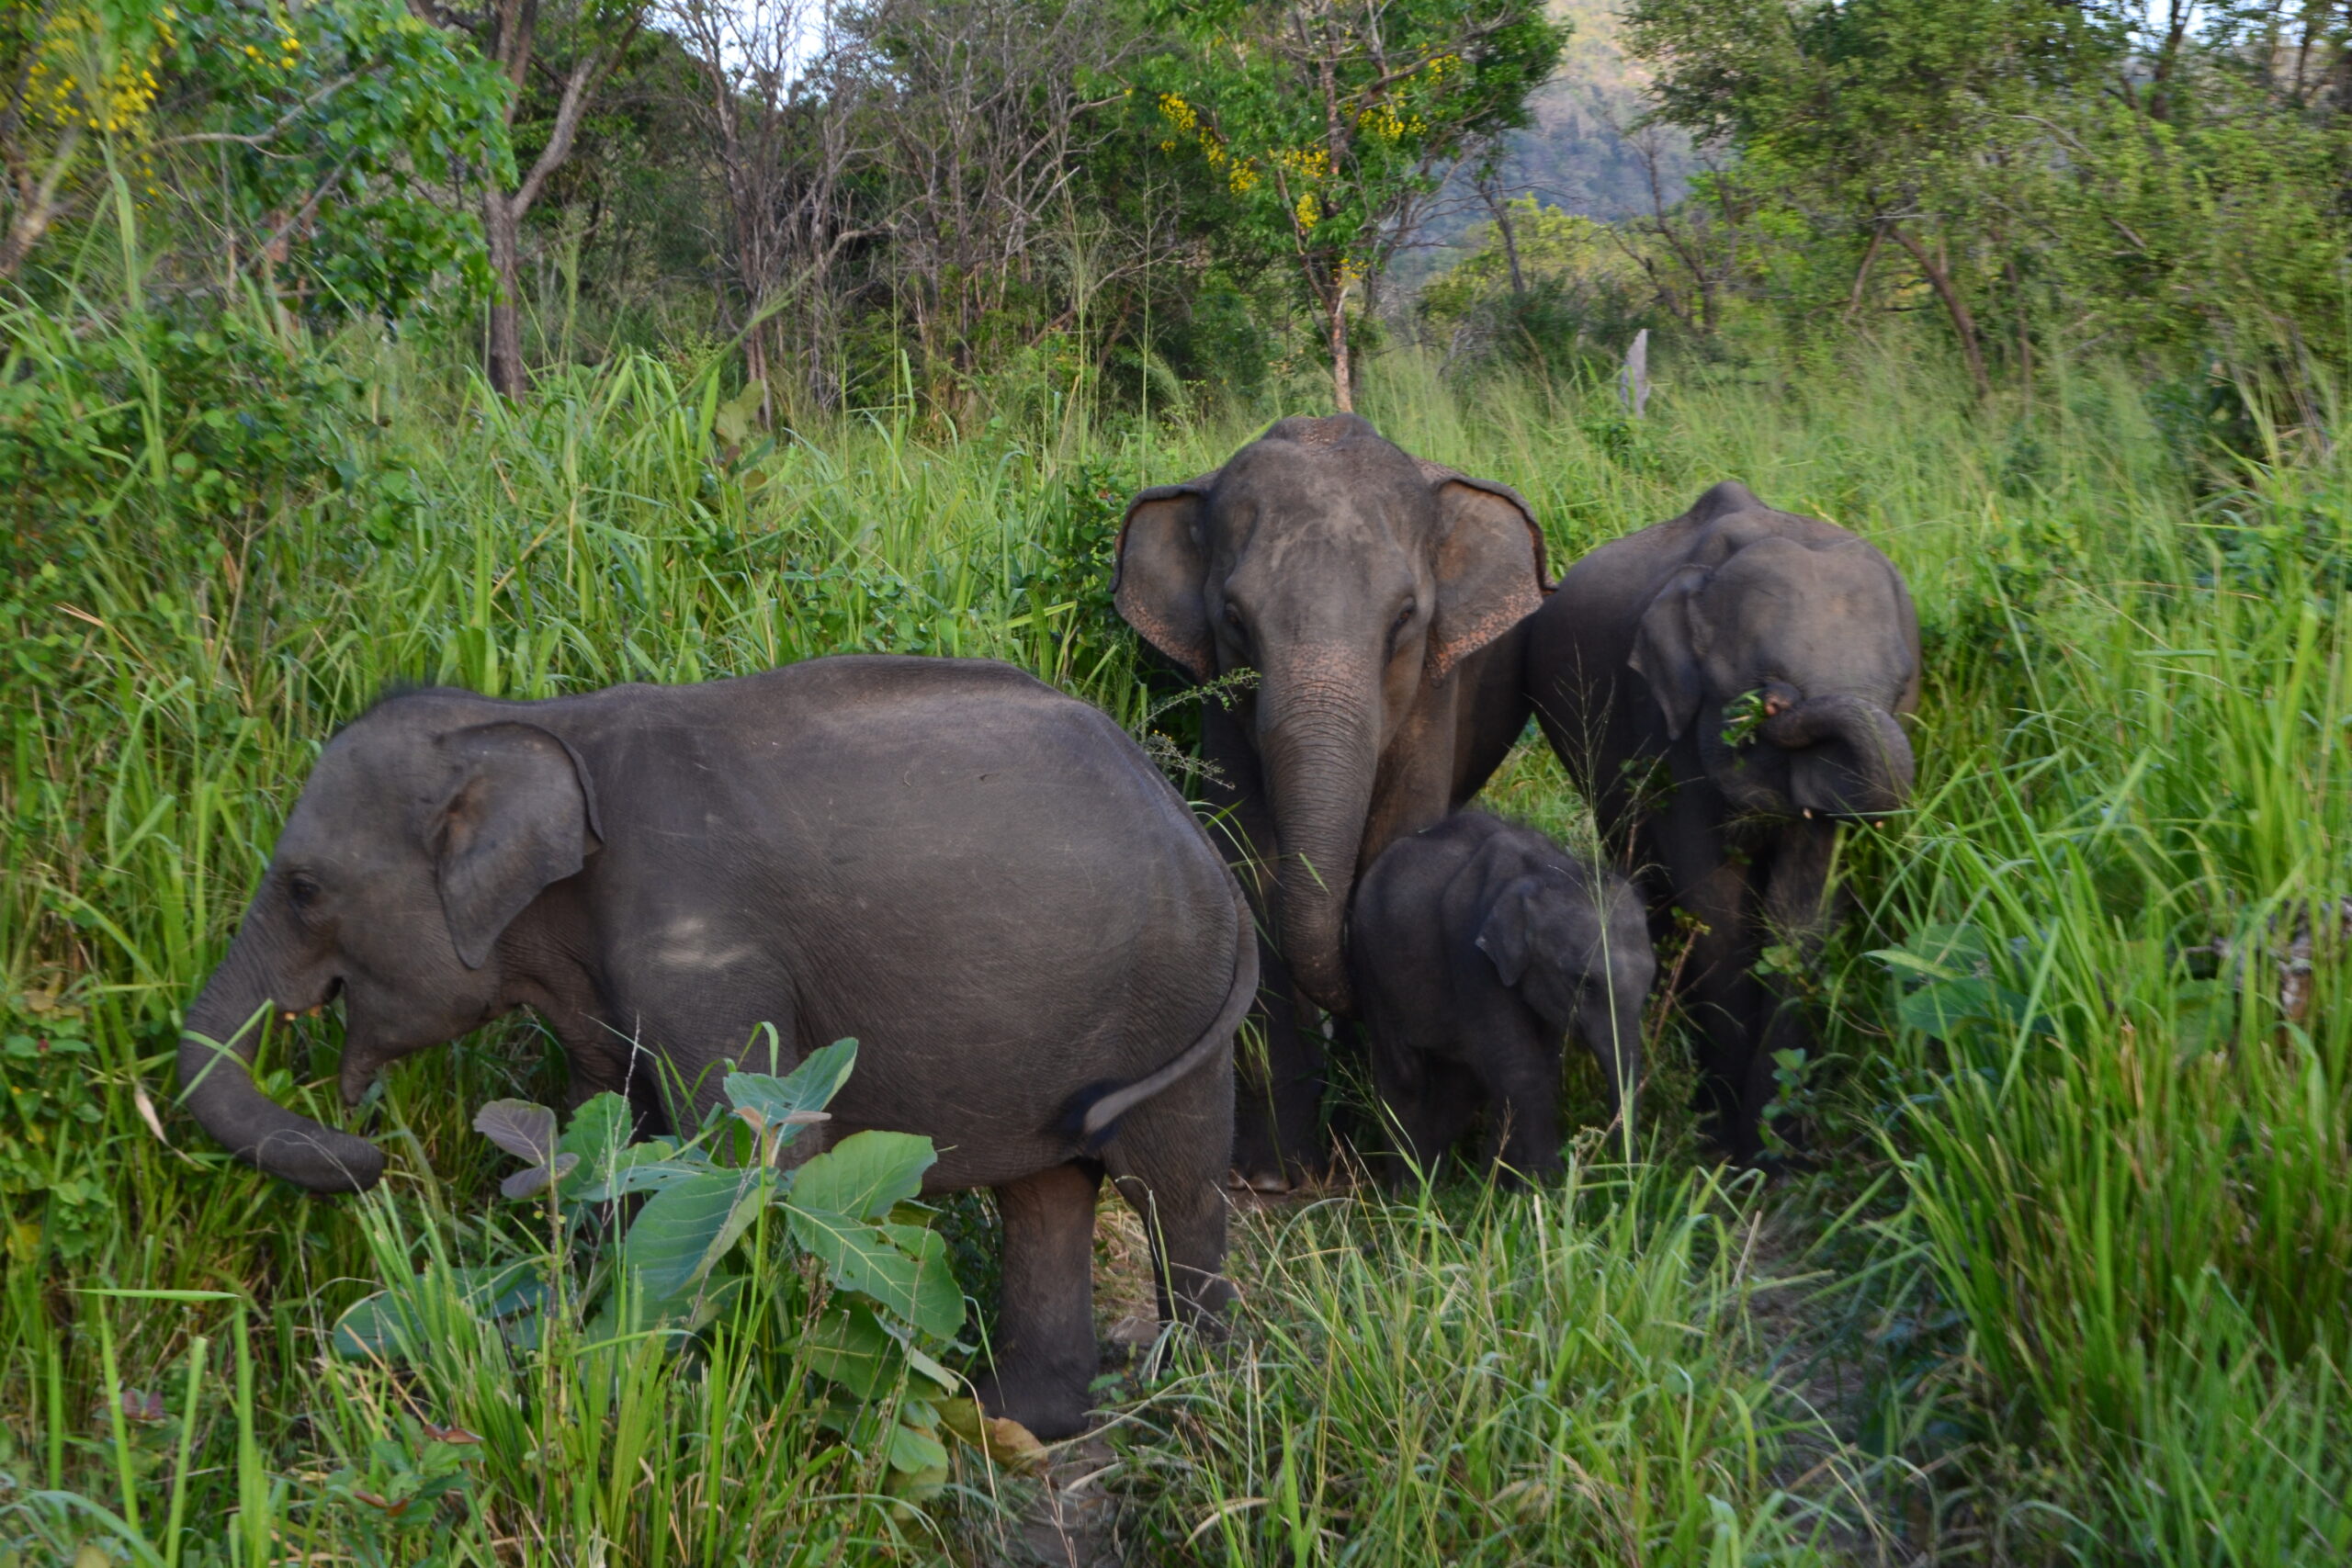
[678,1264]
[52,1181]
[1471,1378]
[342,126]
[321,139]
[214,421]
[1577,297]
[1321,123]
[2048,177]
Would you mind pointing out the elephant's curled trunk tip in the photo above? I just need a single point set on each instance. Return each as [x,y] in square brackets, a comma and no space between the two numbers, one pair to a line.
[217,1086]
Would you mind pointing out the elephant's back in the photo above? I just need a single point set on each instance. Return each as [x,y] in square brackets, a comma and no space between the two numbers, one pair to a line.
[990,885]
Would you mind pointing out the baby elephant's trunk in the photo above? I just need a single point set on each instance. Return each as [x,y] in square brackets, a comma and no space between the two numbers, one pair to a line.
[216,1046]
[1849,757]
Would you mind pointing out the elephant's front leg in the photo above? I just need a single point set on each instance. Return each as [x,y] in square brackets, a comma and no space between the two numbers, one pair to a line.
[1712,884]
[1044,1354]
[1794,916]
[1522,1082]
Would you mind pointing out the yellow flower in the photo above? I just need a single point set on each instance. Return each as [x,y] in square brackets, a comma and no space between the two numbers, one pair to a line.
[1307,211]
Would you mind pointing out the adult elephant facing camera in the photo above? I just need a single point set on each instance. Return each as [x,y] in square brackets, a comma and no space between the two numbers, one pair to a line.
[1722,688]
[986,883]
[1376,596]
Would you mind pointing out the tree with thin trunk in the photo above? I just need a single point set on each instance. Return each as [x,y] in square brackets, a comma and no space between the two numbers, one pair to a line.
[571,49]
[776,105]
[1328,120]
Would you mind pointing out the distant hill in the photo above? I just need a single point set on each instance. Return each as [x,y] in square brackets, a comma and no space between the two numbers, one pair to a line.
[1581,154]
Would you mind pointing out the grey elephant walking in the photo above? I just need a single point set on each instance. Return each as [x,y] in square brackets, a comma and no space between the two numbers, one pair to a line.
[1723,687]
[1478,946]
[985,881]
[1377,597]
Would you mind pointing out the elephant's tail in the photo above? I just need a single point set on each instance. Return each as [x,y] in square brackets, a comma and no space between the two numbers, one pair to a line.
[1091,1117]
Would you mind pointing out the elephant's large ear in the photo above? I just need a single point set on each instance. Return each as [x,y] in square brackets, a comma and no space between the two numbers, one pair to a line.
[1162,569]
[521,815]
[1489,565]
[1505,938]
[1667,646]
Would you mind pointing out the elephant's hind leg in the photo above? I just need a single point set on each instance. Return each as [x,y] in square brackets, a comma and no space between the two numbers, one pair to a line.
[1166,1161]
[1044,1354]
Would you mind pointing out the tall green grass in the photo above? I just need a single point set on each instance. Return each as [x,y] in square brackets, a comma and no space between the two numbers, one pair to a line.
[2105,1319]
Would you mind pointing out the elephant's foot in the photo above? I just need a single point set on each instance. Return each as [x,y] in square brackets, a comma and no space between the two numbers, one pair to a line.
[1046,1405]
[1045,1349]
[1268,1180]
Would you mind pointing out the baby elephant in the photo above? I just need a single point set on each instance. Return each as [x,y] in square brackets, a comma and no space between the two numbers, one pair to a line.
[1476,945]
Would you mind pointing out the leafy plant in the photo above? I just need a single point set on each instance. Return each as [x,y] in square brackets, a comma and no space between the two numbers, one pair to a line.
[1742,716]
[673,1267]
[52,1187]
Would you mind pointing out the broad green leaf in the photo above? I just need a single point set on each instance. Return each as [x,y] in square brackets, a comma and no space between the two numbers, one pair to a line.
[913,1451]
[531,1181]
[917,1361]
[938,1300]
[651,1174]
[859,1257]
[848,1347]
[522,1129]
[865,1174]
[392,1321]
[1898,958]
[599,1135]
[1939,1007]
[782,1105]
[689,1225]
[500,1289]
[380,1325]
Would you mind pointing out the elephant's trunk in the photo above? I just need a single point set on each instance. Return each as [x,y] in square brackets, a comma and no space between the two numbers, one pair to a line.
[1322,752]
[1611,1027]
[1849,757]
[216,1046]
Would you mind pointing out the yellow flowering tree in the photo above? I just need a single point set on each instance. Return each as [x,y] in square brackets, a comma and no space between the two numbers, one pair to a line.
[323,138]
[74,73]
[1322,120]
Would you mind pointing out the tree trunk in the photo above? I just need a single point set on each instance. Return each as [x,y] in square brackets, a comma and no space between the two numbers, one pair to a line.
[1343,390]
[1963,324]
[500,227]
[1500,208]
[1863,273]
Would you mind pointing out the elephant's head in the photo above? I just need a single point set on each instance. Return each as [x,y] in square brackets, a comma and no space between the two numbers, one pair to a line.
[1353,579]
[1788,645]
[1577,951]
[422,835]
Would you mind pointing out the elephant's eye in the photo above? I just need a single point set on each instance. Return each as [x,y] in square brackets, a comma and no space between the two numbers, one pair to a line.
[1404,619]
[1233,619]
[303,889]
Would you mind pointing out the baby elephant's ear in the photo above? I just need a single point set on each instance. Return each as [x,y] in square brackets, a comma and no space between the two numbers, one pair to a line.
[1668,645]
[1507,937]
[521,815]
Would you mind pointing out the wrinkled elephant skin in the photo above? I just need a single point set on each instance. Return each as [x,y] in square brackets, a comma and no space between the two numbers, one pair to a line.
[1478,945]
[1375,598]
[984,882]
[1726,690]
